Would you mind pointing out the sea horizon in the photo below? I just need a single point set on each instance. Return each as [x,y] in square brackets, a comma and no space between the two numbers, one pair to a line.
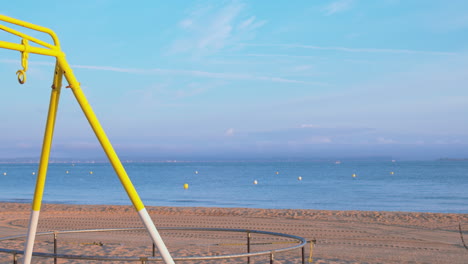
[412,186]
[36,160]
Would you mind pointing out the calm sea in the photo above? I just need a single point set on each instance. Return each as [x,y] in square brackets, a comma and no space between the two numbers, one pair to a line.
[429,186]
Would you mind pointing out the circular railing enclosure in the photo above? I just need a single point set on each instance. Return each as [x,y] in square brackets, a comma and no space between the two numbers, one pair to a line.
[299,243]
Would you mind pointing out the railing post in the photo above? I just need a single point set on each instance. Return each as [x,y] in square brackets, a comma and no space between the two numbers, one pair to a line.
[303,255]
[15,258]
[272,257]
[248,246]
[311,253]
[154,250]
[55,247]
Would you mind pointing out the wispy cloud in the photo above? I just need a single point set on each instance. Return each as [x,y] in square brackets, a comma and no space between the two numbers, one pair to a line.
[318,140]
[251,24]
[194,88]
[277,55]
[192,73]
[229,132]
[309,126]
[337,7]
[308,134]
[302,68]
[195,73]
[208,29]
[357,50]
[382,140]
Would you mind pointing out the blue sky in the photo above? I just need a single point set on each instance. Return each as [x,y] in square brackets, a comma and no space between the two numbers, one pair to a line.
[246,79]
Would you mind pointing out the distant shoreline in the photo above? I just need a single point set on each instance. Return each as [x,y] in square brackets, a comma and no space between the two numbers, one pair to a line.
[453,159]
[337,161]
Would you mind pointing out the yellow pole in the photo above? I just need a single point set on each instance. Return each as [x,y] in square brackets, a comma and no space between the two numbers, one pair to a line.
[31,26]
[114,160]
[63,69]
[43,164]
[100,134]
[30,49]
[22,35]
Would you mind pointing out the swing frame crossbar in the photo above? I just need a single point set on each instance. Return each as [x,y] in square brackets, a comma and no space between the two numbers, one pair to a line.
[63,69]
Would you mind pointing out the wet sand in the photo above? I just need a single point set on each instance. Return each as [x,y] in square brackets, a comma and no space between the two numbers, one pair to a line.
[341,236]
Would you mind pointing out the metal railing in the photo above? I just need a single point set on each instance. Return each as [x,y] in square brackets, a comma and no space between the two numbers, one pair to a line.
[301,243]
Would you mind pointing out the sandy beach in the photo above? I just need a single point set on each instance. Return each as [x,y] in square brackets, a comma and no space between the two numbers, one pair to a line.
[341,236]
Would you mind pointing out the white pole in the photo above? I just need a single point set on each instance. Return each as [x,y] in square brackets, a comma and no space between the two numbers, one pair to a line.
[145,217]
[29,244]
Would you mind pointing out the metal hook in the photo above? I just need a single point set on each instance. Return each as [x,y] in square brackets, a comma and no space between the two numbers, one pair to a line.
[21,76]
[24,62]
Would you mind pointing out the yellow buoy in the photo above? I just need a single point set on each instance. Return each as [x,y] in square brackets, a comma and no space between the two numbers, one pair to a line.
[66,172]
[392,173]
[354,175]
[299,178]
[277,172]
[91,172]
[255,182]
[185,186]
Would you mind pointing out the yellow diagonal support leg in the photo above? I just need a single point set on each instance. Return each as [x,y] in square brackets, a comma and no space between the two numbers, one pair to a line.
[43,165]
[114,160]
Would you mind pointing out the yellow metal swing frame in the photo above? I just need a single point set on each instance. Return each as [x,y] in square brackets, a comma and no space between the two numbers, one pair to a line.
[62,69]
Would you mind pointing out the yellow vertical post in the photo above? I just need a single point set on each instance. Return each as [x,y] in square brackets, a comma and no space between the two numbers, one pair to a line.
[114,160]
[43,164]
